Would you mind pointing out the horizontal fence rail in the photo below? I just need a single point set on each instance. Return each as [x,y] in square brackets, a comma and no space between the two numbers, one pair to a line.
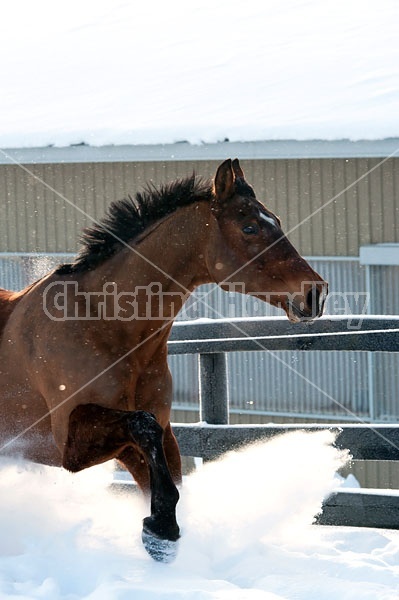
[365,442]
[211,340]
[355,333]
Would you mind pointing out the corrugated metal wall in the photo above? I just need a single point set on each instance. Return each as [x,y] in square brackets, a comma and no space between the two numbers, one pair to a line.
[43,218]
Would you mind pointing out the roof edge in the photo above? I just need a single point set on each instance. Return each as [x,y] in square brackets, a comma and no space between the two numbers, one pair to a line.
[183,151]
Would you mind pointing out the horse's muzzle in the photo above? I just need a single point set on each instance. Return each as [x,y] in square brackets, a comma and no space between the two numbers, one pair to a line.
[310,306]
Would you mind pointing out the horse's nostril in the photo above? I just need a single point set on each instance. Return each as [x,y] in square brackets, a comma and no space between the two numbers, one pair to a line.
[313,300]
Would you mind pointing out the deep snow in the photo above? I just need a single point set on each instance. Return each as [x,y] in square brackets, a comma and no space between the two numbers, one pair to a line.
[106,72]
[247,534]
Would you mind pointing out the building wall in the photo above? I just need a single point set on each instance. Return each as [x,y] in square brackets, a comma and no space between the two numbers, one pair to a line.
[48,217]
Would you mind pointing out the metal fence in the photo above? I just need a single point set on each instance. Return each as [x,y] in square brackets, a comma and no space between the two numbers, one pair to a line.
[328,385]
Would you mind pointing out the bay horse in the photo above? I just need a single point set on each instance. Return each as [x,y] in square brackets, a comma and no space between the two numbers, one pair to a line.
[84,376]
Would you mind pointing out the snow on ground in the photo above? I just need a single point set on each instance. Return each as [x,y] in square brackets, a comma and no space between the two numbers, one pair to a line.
[106,72]
[246,534]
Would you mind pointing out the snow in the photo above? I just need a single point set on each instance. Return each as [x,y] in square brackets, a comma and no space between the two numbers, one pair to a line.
[246,533]
[106,72]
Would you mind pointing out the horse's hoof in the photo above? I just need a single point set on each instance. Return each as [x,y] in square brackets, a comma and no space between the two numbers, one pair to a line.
[160,550]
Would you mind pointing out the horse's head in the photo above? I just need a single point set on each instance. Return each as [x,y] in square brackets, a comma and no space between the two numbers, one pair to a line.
[249,249]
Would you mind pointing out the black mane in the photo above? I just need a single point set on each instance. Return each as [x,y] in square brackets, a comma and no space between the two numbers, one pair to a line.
[128,218]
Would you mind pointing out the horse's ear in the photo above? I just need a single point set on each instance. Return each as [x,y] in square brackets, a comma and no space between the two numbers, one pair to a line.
[238,172]
[224,181]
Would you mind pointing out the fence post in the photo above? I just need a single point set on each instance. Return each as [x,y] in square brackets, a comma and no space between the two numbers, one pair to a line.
[213,388]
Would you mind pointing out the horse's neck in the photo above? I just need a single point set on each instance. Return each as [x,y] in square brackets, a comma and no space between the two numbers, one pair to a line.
[168,259]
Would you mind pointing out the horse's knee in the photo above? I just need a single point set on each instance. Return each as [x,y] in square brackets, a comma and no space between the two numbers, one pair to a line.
[97,434]
[145,430]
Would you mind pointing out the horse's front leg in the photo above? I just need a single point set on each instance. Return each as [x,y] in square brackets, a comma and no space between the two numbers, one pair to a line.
[133,460]
[154,394]
[97,434]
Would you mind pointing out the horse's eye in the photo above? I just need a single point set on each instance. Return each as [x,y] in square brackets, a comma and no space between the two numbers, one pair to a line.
[250,229]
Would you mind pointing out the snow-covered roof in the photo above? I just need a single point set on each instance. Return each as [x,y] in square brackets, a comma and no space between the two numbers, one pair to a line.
[102,72]
[288,149]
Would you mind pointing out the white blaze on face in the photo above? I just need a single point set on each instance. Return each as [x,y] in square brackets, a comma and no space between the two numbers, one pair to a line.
[269,220]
